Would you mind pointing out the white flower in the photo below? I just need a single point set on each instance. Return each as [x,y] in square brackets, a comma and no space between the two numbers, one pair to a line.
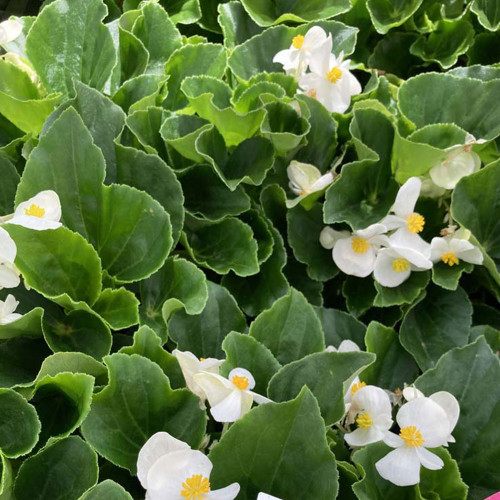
[329,236]
[170,470]
[374,419]
[345,346]
[394,265]
[9,31]
[9,274]
[429,189]
[230,398]
[306,178]
[452,249]
[424,424]
[191,365]
[265,496]
[354,387]
[410,393]
[7,308]
[43,211]
[356,255]
[296,59]
[447,174]
[330,81]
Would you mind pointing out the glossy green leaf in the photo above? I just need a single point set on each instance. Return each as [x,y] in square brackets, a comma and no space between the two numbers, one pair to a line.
[406,293]
[140,92]
[119,308]
[10,180]
[340,325]
[359,295]
[387,14]
[448,277]
[107,489]
[488,13]
[145,125]
[6,479]
[29,325]
[237,26]
[182,11]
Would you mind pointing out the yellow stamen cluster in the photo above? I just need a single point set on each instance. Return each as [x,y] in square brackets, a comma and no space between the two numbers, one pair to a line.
[360,245]
[312,93]
[334,75]
[415,223]
[450,258]
[411,436]
[400,265]
[34,211]
[298,41]
[356,387]
[240,382]
[364,421]
[195,487]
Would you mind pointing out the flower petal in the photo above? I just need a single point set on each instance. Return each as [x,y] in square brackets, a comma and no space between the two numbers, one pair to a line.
[228,493]
[363,437]
[384,273]
[429,460]
[449,404]
[215,387]
[8,249]
[401,467]
[352,263]
[9,276]
[230,408]
[407,197]
[241,372]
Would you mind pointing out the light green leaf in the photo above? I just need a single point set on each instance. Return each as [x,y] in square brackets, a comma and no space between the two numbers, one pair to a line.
[140,92]
[237,26]
[339,325]
[119,308]
[387,14]
[107,489]
[488,13]
[10,180]
[145,124]
[182,11]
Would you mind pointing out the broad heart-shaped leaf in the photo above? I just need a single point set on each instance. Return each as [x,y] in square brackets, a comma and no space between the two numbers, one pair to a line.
[267,13]
[202,334]
[182,11]
[145,125]
[28,325]
[190,60]
[141,92]
[58,263]
[387,14]
[149,345]
[290,328]
[449,40]
[237,26]
[448,277]
[304,228]
[279,448]
[488,13]
[440,98]
[340,325]
[10,180]
[406,293]
[256,55]
[140,394]
[118,307]
[178,284]
[471,373]
[6,479]
[359,295]
[19,425]
[243,351]
[65,470]
[437,324]
[445,484]
[107,489]
[68,40]
[393,366]
[327,374]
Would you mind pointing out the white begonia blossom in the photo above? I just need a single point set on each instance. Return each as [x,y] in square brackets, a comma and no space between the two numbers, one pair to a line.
[7,308]
[306,179]
[265,496]
[191,365]
[447,174]
[429,189]
[168,469]
[303,48]
[230,398]
[410,393]
[330,81]
[345,346]
[424,424]
[329,236]
[356,255]
[9,274]
[9,31]
[41,212]
[452,249]
[373,410]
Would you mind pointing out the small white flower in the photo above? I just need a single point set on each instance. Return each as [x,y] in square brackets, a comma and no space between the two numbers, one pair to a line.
[9,31]
[424,424]
[170,470]
[330,81]
[356,255]
[429,189]
[447,174]
[306,179]
[9,274]
[329,236]
[230,398]
[410,393]
[345,346]
[296,59]
[394,265]
[451,250]
[265,496]
[41,212]
[7,308]
[372,408]
[354,387]
[191,365]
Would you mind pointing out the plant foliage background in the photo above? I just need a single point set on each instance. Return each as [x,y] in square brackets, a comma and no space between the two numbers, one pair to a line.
[166,130]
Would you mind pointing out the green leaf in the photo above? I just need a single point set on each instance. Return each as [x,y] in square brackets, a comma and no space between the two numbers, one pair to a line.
[485,49]
[68,40]
[406,293]
[119,308]
[107,489]
[393,366]
[243,351]
[296,275]
[145,125]
[29,325]
[19,424]
[279,448]
[65,470]
[182,11]
[261,228]
[488,13]
[140,394]
[359,294]
[339,325]
[202,334]
[10,180]
[140,92]
[448,277]
[328,376]
[6,479]
[237,26]
[470,374]
[290,328]
[387,14]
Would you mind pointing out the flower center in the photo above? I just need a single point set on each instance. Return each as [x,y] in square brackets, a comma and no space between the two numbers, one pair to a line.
[400,265]
[334,75]
[364,421]
[360,245]
[415,223]
[298,41]
[34,211]
[195,487]
[312,93]
[357,386]
[411,436]
[240,382]
[450,258]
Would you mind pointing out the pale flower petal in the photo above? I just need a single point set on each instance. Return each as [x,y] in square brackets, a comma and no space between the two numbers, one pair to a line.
[410,393]
[265,496]
[363,437]
[447,174]
[351,262]
[230,408]
[40,212]
[228,493]
[429,460]
[449,404]
[407,197]
[401,467]
[383,271]
[328,237]
[348,346]
[215,387]
[10,30]
[242,373]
